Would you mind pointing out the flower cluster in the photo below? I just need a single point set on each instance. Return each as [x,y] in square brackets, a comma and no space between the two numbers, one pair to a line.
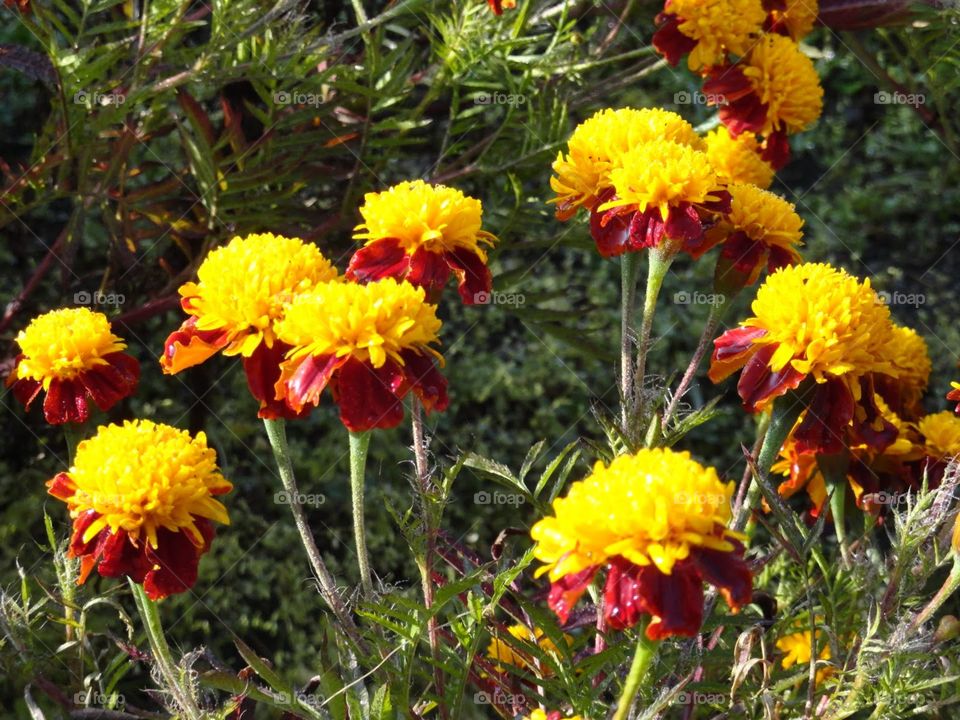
[657,522]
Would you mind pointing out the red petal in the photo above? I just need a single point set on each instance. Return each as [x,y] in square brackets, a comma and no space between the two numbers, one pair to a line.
[380,259]
[423,376]
[474,281]
[732,350]
[66,401]
[759,384]
[369,397]
[496,6]
[824,423]
[727,83]
[567,591]
[428,269]
[61,486]
[869,425]
[120,557]
[109,384]
[302,381]
[776,149]
[669,41]
[728,572]
[188,346]
[80,524]
[262,369]
[178,559]
[674,602]
[683,223]
[955,395]
[610,231]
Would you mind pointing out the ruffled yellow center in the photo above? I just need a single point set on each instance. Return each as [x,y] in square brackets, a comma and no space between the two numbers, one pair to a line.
[662,174]
[799,17]
[62,344]
[719,27]
[786,81]
[142,476]
[764,217]
[737,160]
[368,322]
[243,286]
[597,145]
[824,321]
[651,507]
[941,434]
[438,218]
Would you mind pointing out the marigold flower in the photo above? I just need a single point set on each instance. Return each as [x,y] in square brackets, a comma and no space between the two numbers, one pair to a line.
[657,521]
[909,355]
[234,307]
[661,190]
[539,714]
[422,233]
[761,230]
[955,394]
[798,647]
[941,435]
[774,91]
[142,497]
[709,30]
[505,653]
[371,343]
[74,357]
[498,6]
[812,321]
[596,146]
[793,18]
[737,159]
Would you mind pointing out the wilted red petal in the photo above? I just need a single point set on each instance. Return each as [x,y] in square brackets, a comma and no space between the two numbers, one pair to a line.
[189,346]
[428,269]
[380,259]
[669,41]
[567,591]
[474,281]
[175,560]
[66,401]
[726,571]
[422,375]
[830,411]
[732,350]
[369,397]
[262,369]
[759,384]
[610,231]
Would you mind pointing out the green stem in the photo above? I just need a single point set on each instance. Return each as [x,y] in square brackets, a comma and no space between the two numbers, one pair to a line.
[629,265]
[642,659]
[659,260]
[162,655]
[277,434]
[943,594]
[73,434]
[834,471]
[359,443]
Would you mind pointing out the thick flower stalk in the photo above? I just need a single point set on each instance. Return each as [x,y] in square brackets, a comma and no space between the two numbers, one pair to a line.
[74,357]
[774,91]
[143,499]
[762,230]
[708,31]
[234,306]
[813,322]
[371,344]
[423,233]
[737,159]
[657,523]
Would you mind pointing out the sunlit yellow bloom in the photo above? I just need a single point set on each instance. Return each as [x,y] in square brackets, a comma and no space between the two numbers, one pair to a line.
[786,82]
[505,653]
[910,356]
[799,647]
[719,27]
[797,18]
[737,160]
[539,714]
[941,434]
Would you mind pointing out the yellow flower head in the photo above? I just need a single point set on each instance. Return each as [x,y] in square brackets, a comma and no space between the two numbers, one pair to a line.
[651,507]
[597,145]
[662,174]
[786,81]
[505,654]
[737,160]
[798,17]
[719,27]
[824,322]
[142,476]
[910,356]
[437,218]
[367,322]
[765,217]
[941,433]
[243,286]
[62,344]
[798,647]
[539,714]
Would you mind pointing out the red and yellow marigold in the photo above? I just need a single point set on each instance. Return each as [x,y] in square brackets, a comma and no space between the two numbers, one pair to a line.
[737,159]
[708,31]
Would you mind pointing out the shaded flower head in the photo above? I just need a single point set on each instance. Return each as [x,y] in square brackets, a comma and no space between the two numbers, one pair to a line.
[709,30]
[142,497]
[737,159]
[662,190]
[657,521]
[582,176]
[371,343]
[941,435]
[908,353]
[793,18]
[798,648]
[511,653]
[774,91]
[72,355]
[422,233]
[761,230]
[239,296]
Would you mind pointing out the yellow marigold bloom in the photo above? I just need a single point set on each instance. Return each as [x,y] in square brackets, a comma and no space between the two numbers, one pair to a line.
[737,159]
[718,27]
[73,355]
[941,435]
[785,80]
[798,647]
[375,341]
[596,146]
[663,174]
[910,356]
[539,714]
[142,496]
[796,19]
[505,653]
